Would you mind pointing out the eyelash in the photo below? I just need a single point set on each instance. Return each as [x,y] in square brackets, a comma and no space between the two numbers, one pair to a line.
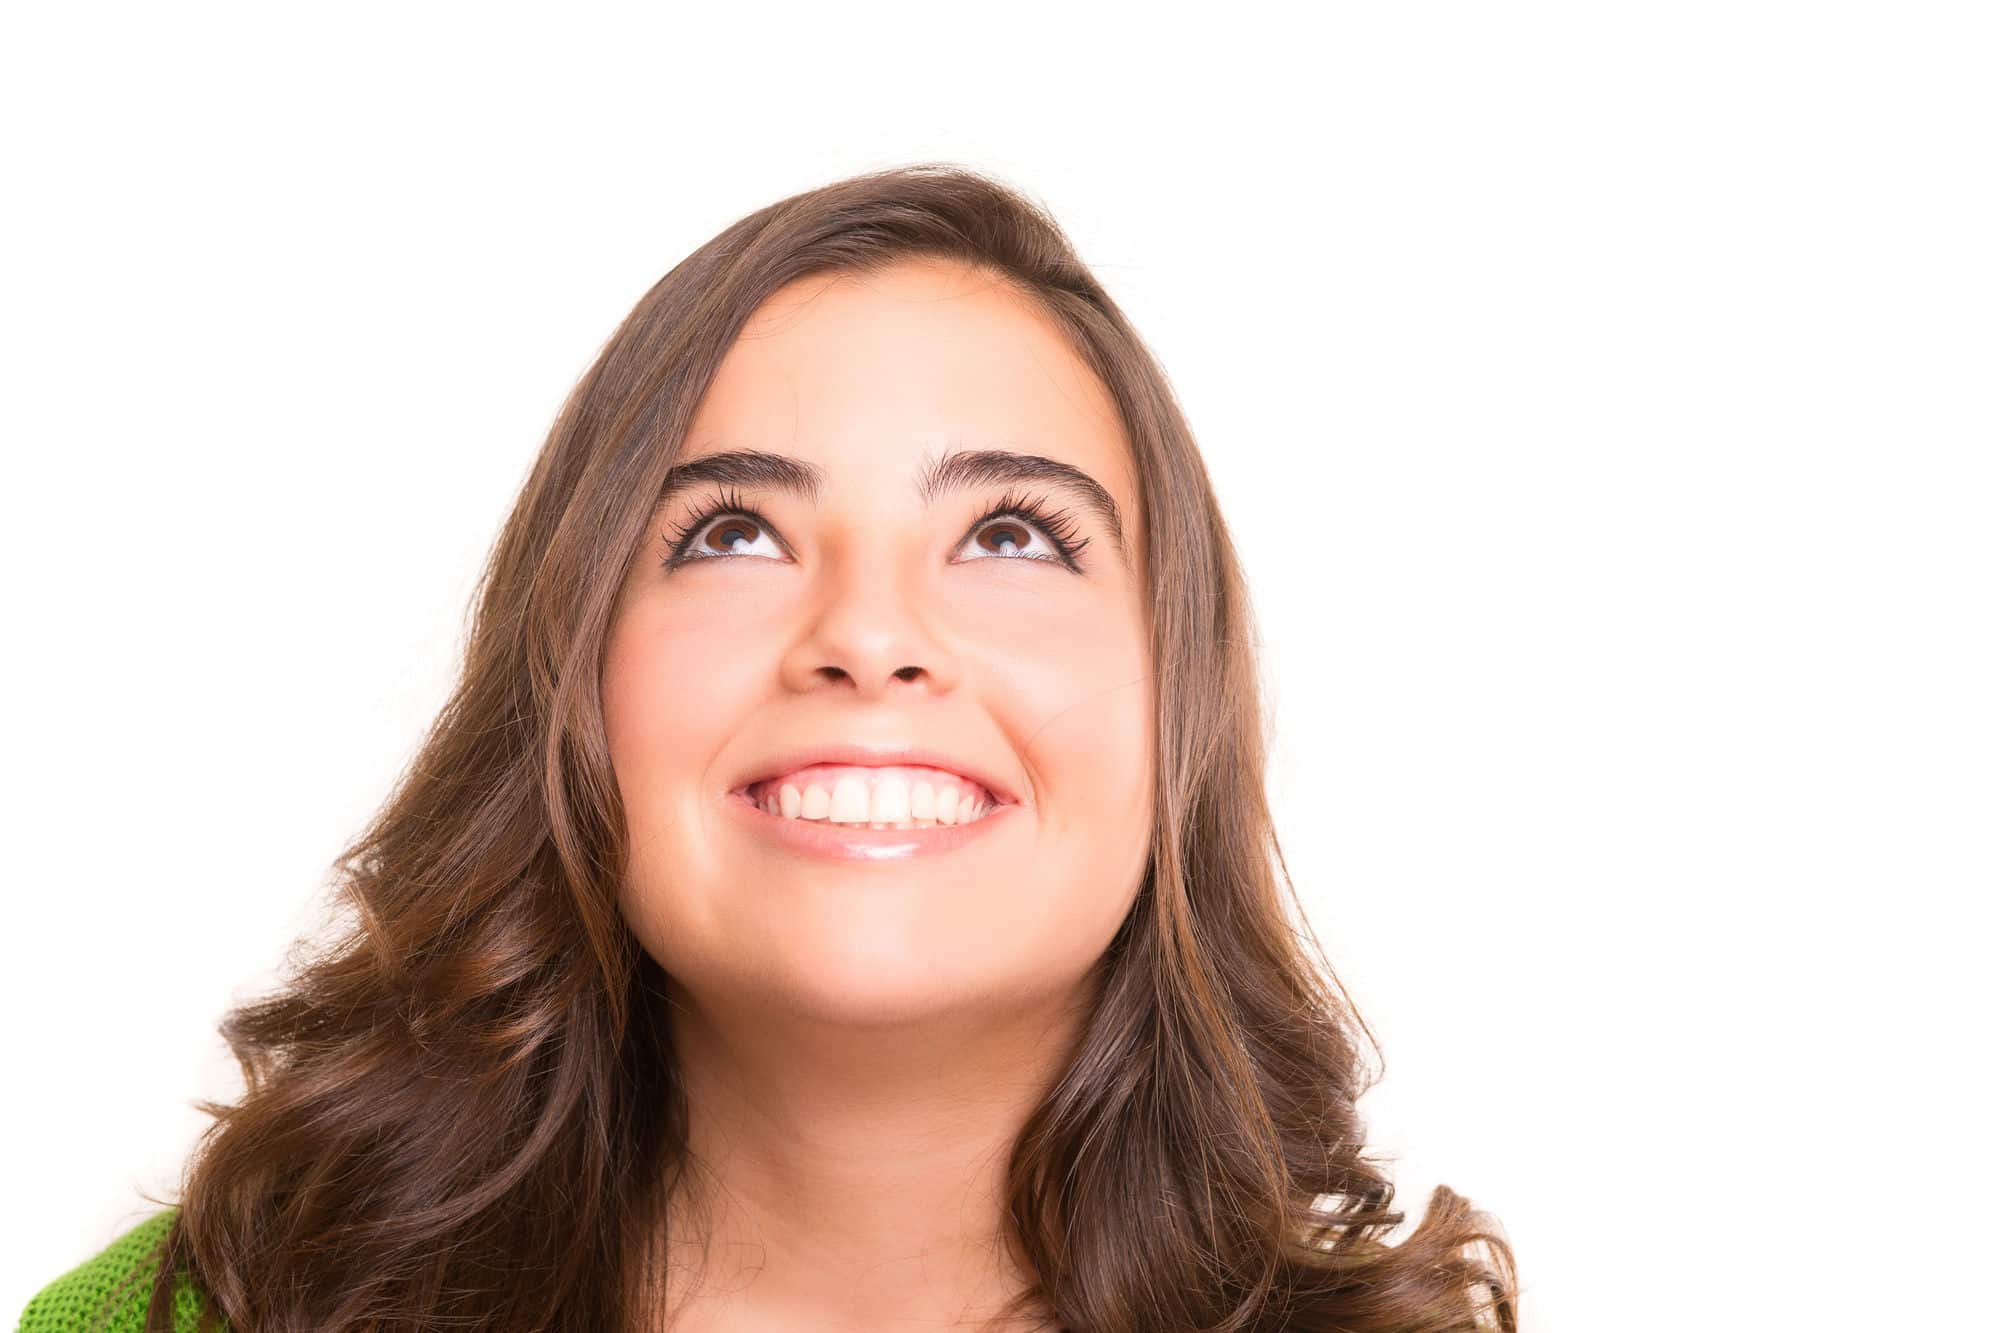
[1059,526]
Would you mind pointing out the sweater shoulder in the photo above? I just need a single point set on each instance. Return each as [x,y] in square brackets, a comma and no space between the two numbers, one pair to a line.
[108,1292]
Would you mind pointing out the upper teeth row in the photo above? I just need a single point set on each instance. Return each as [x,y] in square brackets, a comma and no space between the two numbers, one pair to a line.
[889,799]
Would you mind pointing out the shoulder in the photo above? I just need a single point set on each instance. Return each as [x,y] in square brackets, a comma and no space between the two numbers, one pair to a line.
[109,1291]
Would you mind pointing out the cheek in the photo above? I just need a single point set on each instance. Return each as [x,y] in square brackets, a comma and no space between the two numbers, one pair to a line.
[676,687]
[1077,685]
[1078,688]
[672,686]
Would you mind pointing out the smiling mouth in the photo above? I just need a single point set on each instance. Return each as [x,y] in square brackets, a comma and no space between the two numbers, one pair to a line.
[865,840]
[873,795]
[887,797]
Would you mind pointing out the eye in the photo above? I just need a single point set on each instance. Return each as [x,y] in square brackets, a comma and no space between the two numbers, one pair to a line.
[724,526]
[1010,530]
[722,530]
[1017,520]
[1004,534]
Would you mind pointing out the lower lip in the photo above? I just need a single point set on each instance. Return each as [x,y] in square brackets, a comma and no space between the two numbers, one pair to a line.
[858,842]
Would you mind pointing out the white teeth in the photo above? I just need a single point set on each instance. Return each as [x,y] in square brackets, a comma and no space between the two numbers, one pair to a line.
[850,801]
[889,803]
[892,802]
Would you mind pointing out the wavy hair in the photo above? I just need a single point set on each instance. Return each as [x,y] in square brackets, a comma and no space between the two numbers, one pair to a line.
[462,1106]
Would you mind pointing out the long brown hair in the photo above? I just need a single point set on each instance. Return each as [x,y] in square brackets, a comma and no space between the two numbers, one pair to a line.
[465,1109]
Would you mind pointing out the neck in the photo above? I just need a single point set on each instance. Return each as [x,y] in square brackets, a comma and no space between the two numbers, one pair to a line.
[854,1177]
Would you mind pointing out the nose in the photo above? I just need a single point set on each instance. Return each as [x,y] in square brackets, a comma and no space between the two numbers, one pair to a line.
[872,633]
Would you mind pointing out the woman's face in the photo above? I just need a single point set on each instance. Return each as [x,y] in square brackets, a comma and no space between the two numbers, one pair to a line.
[873,616]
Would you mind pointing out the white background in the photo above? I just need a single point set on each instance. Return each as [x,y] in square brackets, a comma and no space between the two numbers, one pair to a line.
[1603,397]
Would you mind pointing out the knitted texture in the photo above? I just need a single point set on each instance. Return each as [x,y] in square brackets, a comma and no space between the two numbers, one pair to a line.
[108,1292]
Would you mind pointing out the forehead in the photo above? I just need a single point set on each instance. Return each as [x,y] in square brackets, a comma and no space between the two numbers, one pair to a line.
[866,374]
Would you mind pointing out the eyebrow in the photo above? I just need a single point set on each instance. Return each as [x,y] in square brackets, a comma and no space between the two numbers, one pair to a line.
[958,470]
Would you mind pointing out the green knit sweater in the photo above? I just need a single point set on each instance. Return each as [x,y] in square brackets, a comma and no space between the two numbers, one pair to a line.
[108,1292]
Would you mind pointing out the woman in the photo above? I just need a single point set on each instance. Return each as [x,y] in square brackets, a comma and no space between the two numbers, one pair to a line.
[839,892]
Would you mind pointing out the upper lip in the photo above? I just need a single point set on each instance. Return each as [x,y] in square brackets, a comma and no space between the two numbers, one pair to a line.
[875,756]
